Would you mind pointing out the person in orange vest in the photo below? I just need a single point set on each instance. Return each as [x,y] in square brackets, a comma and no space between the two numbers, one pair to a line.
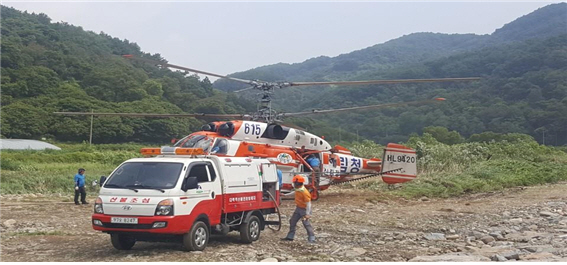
[302,210]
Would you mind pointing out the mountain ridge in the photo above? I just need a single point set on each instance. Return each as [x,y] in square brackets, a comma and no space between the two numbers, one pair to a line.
[408,48]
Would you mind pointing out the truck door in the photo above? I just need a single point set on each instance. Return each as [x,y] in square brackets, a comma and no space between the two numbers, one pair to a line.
[270,182]
[208,192]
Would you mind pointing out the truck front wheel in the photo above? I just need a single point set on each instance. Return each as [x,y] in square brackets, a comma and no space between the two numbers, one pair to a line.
[122,242]
[197,238]
[250,231]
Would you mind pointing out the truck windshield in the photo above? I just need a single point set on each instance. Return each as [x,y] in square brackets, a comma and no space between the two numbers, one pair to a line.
[195,141]
[145,175]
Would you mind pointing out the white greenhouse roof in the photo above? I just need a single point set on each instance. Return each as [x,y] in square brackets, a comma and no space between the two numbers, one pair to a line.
[22,144]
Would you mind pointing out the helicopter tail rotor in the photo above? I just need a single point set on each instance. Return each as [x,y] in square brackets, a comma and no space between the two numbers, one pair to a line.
[397,156]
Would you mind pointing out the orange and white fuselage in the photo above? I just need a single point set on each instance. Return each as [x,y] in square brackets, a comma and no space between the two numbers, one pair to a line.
[287,148]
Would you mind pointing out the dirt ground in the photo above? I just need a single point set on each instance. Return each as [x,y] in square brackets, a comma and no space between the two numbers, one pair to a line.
[350,225]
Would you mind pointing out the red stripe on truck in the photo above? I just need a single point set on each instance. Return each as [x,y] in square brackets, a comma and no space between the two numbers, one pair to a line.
[246,201]
[177,224]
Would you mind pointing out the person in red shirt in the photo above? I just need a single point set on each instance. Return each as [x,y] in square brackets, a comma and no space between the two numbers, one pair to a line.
[302,210]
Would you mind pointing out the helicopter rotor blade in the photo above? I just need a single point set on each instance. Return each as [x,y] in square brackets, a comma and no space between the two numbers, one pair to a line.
[293,126]
[157,115]
[244,89]
[392,81]
[388,105]
[132,57]
[260,84]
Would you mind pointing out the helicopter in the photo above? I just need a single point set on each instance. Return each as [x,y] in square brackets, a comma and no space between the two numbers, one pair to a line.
[262,134]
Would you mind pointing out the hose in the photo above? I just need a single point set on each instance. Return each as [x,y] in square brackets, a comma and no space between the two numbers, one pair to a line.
[278,212]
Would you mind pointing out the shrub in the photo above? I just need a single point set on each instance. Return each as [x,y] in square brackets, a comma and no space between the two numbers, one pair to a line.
[452,170]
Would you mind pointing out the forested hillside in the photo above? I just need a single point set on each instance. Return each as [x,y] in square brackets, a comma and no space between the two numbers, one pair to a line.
[49,67]
[523,90]
[409,49]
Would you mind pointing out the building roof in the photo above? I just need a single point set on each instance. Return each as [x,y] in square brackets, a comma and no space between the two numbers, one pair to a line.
[24,144]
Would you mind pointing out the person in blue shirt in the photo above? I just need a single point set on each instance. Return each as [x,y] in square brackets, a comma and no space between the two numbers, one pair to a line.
[80,187]
[280,176]
[280,181]
[313,162]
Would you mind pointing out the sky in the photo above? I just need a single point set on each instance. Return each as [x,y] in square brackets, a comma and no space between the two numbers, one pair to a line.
[224,37]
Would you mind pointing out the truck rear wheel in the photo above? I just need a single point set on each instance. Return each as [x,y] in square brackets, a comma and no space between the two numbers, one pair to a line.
[197,238]
[122,242]
[250,230]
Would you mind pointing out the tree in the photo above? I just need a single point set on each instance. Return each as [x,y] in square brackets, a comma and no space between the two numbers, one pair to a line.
[443,135]
[20,120]
[153,87]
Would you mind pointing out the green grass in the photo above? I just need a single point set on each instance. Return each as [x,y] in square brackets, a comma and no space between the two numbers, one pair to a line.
[52,171]
[484,177]
[453,170]
[444,170]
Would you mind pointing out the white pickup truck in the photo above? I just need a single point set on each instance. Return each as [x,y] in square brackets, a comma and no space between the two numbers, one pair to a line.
[186,197]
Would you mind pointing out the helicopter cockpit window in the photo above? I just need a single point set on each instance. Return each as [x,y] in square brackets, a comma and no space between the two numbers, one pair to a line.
[204,143]
[195,141]
[180,142]
[189,141]
[220,147]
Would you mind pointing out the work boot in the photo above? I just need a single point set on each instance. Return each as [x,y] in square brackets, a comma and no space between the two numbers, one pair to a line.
[85,203]
[287,239]
[76,203]
[311,239]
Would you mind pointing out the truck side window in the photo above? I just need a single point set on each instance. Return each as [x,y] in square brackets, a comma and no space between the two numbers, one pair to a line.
[212,172]
[199,171]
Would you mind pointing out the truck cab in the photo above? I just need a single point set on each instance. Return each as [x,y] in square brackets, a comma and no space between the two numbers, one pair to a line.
[186,198]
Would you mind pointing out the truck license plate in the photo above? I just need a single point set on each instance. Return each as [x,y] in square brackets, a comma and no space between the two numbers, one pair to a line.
[123,220]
